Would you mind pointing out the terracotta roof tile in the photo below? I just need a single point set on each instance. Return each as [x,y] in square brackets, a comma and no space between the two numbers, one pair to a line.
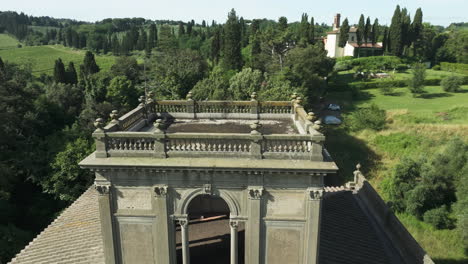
[74,237]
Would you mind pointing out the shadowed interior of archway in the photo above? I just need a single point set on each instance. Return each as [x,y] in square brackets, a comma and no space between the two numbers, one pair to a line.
[209,232]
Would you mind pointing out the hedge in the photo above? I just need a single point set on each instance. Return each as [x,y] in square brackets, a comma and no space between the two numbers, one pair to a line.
[454,67]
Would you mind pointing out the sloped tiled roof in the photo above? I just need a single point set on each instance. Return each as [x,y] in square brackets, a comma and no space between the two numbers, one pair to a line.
[74,237]
[346,236]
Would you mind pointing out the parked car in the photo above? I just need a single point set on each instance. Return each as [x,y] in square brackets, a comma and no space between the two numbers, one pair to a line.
[334,107]
[331,120]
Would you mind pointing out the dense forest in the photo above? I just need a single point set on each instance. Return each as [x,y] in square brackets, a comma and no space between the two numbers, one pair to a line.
[46,121]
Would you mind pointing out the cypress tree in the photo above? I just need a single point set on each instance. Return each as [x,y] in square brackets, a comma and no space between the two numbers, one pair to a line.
[152,36]
[203,23]
[344,33]
[72,77]
[406,34]
[189,28]
[312,30]
[385,40]
[360,30]
[181,29]
[142,40]
[115,44]
[60,75]
[367,30]
[304,30]
[375,31]
[395,33]
[89,64]
[216,45]
[243,29]
[232,58]
[416,29]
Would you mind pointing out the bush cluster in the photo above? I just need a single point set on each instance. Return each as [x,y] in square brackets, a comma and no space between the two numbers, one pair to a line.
[367,118]
[454,67]
[452,83]
[438,217]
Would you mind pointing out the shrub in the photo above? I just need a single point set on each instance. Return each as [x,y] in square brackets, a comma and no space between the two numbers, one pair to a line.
[438,217]
[370,117]
[386,86]
[451,83]
[454,67]
[436,68]
[416,84]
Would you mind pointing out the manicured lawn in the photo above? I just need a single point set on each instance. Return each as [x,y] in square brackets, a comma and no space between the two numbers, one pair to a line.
[42,58]
[7,42]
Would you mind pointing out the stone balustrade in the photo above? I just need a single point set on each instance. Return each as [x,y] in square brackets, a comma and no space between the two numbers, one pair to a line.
[122,138]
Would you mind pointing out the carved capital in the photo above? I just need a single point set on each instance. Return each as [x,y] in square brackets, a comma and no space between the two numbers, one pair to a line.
[234,224]
[315,193]
[160,190]
[255,193]
[183,223]
[103,189]
[207,189]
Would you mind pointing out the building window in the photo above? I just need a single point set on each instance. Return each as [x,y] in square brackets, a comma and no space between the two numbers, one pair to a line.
[352,38]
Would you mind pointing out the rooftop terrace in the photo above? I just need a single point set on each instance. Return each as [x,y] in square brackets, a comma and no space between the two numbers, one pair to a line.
[187,128]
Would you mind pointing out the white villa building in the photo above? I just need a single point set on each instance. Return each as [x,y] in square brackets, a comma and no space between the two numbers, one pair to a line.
[351,47]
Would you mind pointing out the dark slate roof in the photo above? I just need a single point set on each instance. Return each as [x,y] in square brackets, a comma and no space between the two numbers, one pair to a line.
[74,237]
[347,234]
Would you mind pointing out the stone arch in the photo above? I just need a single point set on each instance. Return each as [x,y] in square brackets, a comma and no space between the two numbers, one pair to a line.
[233,205]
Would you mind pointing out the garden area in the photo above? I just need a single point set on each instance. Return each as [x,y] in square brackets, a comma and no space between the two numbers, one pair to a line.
[413,148]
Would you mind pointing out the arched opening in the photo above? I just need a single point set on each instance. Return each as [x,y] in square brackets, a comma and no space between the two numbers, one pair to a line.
[210,232]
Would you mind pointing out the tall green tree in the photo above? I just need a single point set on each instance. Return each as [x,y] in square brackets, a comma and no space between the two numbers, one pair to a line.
[375,32]
[89,65]
[367,30]
[72,77]
[312,31]
[232,58]
[395,33]
[304,30]
[417,30]
[344,33]
[181,29]
[216,45]
[406,32]
[417,81]
[152,36]
[60,75]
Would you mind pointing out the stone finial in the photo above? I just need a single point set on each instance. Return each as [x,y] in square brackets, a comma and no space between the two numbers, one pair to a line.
[317,125]
[142,101]
[358,167]
[189,96]
[99,124]
[253,96]
[255,126]
[114,115]
[311,116]
[293,97]
[158,125]
[149,97]
[357,172]
[298,101]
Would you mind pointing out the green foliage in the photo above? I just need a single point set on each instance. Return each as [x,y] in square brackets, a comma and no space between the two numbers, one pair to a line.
[438,217]
[232,59]
[387,87]
[89,65]
[126,66]
[402,180]
[454,67]
[69,181]
[416,85]
[59,72]
[12,240]
[452,83]
[121,93]
[215,87]
[376,63]
[395,33]
[367,118]
[244,83]
[461,206]
[399,144]
[344,33]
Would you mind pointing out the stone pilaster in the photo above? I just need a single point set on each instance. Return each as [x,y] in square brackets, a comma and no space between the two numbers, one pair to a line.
[314,205]
[253,232]
[164,230]
[105,214]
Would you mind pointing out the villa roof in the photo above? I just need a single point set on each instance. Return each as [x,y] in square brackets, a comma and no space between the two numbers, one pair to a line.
[348,234]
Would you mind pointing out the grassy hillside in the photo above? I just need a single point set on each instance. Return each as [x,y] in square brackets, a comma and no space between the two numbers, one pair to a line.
[42,58]
[7,42]
[415,127]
